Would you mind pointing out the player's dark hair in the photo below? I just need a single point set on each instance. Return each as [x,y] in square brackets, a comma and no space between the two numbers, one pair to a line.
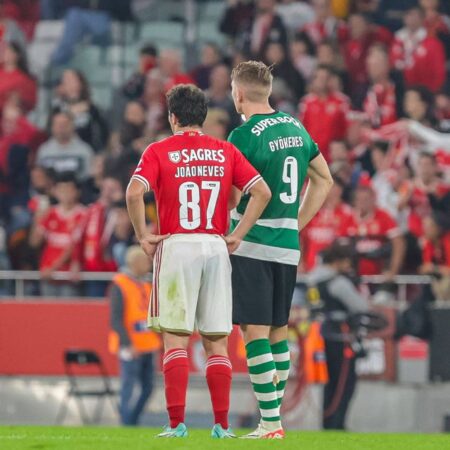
[188,103]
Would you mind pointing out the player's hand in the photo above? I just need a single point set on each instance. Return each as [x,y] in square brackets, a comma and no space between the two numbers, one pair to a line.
[150,241]
[232,243]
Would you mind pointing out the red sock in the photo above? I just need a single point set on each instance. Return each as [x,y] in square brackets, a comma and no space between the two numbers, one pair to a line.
[176,374]
[218,376]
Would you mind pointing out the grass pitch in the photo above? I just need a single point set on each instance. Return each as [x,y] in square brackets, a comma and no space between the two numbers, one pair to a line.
[93,438]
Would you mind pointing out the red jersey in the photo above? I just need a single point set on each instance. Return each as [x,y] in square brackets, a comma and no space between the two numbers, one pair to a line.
[192,175]
[380,104]
[421,58]
[324,228]
[61,230]
[324,118]
[371,233]
[437,254]
[96,253]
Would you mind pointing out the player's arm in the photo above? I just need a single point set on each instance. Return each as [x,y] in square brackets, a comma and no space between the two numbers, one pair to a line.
[260,196]
[136,211]
[235,198]
[319,185]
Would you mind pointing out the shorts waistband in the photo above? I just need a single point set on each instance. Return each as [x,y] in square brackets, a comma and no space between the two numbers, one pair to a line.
[197,237]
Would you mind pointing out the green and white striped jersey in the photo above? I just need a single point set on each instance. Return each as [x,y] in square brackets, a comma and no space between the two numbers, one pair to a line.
[280,148]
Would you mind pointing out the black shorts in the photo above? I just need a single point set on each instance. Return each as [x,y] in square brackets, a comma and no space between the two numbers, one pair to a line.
[262,291]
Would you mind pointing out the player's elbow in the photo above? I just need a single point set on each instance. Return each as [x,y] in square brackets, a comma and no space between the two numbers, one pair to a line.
[265,192]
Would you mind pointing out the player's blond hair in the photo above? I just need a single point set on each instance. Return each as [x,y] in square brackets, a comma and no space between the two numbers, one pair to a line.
[255,79]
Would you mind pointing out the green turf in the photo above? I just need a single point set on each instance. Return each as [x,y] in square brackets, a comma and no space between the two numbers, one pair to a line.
[64,438]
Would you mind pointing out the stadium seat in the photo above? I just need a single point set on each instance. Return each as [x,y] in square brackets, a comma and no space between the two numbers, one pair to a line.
[74,360]
[102,96]
[212,11]
[49,30]
[209,32]
[166,31]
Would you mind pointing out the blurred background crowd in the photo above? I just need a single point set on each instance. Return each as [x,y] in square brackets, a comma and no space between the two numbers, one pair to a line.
[82,87]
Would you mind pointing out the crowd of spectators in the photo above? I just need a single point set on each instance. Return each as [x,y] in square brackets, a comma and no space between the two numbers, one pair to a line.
[369,79]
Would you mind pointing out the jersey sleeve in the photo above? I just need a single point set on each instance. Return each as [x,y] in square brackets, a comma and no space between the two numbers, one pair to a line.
[147,171]
[245,176]
[241,140]
[313,149]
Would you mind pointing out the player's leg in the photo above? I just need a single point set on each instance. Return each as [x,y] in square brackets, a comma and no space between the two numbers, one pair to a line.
[176,376]
[285,277]
[177,276]
[214,322]
[218,377]
[252,309]
[281,356]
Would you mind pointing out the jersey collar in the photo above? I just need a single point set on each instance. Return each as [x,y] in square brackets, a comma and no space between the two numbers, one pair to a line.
[190,132]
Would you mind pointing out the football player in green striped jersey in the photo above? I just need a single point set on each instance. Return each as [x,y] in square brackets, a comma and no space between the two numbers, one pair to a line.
[265,263]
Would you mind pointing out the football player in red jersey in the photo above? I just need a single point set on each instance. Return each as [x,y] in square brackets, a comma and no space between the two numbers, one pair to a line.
[192,175]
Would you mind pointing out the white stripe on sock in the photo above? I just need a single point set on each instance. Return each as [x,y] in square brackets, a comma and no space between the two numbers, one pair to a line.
[283,375]
[274,412]
[262,378]
[281,357]
[266,396]
[261,359]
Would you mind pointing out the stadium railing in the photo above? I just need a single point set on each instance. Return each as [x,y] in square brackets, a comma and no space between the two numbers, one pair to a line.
[19,277]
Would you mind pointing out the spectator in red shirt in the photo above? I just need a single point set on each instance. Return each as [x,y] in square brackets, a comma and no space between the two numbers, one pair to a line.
[169,63]
[324,113]
[18,139]
[326,25]
[362,35]
[15,79]
[425,191]
[436,246]
[332,221]
[58,231]
[96,251]
[380,104]
[375,231]
[419,56]
[435,22]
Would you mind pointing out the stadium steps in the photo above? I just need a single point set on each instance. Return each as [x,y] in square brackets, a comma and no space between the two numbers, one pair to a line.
[165,32]
[209,32]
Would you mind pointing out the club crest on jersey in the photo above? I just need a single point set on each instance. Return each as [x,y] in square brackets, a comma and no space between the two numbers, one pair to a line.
[175,157]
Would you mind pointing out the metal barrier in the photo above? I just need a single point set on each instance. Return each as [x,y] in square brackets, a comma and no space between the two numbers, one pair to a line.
[20,276]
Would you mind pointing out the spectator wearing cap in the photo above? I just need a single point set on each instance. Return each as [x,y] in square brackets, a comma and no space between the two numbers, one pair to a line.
[58,232]
[322,112]
[65,151]
[419,56]
[378,240]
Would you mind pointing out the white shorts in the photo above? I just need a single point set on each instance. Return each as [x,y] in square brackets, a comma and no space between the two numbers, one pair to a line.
[191,285]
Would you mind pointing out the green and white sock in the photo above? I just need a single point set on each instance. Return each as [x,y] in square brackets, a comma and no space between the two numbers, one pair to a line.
[262,370]
[282,358]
